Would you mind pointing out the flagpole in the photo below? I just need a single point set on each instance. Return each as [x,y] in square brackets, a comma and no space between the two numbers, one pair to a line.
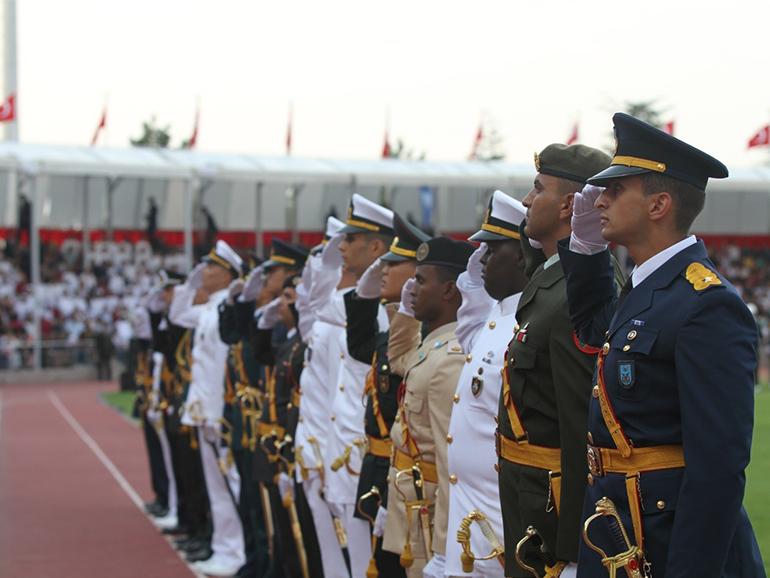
[9,25]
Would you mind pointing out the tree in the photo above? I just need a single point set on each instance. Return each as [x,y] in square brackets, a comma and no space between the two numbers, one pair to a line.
[492,145]
[399,151]
[646,110]
[153,135]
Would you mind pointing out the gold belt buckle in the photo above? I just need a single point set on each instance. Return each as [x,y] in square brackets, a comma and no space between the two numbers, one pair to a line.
[594,456]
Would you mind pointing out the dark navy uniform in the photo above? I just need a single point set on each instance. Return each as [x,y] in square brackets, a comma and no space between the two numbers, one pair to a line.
[671,415]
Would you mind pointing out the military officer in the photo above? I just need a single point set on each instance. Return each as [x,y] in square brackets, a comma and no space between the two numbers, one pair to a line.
[546,384]
[490,288]
[367,343]
[367,234]
[418,492]
[322,328]
[670,420]
[205,401]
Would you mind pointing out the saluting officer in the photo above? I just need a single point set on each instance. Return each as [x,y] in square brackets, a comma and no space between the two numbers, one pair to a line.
[419,498]
[670,421]
[205,401]
[546,383]
[368,343]
[490,288]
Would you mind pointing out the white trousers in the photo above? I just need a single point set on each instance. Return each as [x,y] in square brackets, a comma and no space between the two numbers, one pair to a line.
[331,555]
[227,538]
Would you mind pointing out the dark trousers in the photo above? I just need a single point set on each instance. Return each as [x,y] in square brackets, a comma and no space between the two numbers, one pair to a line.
[252,519]
[309,536]
[193,508]
[158,476]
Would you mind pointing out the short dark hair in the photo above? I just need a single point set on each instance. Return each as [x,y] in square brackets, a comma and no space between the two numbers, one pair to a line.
[385,238]
[567,186]
[688,200]
[447,273]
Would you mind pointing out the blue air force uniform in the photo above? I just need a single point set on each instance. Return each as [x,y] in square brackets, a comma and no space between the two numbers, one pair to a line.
[671,414]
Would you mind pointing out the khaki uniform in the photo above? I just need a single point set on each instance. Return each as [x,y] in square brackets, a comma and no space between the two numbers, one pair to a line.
[431,370]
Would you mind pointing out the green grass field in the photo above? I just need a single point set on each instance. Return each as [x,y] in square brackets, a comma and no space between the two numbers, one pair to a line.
[757,491]
[758,488]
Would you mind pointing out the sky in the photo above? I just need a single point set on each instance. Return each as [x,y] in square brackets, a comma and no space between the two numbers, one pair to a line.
[434,68]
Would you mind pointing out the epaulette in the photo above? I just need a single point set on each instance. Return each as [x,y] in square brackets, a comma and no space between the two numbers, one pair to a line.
[701,277]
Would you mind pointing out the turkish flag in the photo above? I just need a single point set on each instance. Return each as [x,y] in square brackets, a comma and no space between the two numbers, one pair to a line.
[669,128]
[573,138]
[99,127]
[194,136]
[386,147]
[288,133]
[8,109]
[476,143]
[761,138]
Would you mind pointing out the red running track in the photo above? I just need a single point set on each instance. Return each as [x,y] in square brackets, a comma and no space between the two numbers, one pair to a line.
[64,512]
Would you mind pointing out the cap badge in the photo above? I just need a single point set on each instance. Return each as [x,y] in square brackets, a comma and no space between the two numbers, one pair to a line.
[422,252]
[701,277]
[537,162]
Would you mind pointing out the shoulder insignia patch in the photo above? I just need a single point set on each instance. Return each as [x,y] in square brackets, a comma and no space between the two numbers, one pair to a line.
[701,277]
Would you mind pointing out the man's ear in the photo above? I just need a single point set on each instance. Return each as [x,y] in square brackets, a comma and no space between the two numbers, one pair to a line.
[565,212]
[660,205]
[450,290]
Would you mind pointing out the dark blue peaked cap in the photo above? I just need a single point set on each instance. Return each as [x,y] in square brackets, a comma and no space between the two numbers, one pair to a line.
[642,148]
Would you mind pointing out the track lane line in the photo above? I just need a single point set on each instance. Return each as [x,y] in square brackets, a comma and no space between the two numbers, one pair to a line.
[129,490]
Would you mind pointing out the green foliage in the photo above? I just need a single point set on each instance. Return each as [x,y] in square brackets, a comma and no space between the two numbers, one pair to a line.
[646,110]
[399,151]
[153,135]
[492,145]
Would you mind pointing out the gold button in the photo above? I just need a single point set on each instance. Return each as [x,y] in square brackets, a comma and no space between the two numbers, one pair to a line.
[468,358]
[342,387]
[497,468]
[457,348]
[515,328]
[342,356]
[456,398]
[595,391]
[632,334]
[387,479]
[606,348]
[661,505]
[590,480]
[397,418]
[333,418]
[492,324]
[289,405]
[449,438]
[452,479]
[590,438]
[626,347]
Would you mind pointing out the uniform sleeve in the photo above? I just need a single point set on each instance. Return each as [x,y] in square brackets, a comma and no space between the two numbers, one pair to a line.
[182,311]
[473,313]
[228,324]
[403,342]
[361,327]
[261,341]
[715,367]
[442,386]
[571,373]
[591,292]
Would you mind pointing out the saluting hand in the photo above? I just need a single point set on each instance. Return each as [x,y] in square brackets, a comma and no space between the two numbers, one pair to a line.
[475,267]
[268,315]
[586,235]
[331,256]
[253,285]
[370,283]
[235,289]
[405,306]
[195,278]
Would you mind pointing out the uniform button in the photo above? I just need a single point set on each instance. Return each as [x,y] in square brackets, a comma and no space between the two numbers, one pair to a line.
[590,438]
[481,370]
[449,438]
[595,391]
[606,348]
[632,334]
[661,505]
[342,356]
[497,468]
[452,479]
[397,418]
[590,480]
[333,418]
[513,360]
[289,405]
[384,368]
[626,347]
[387,479]
[468,358]
[342,387]
[492,324]
[515,328]
[456,398]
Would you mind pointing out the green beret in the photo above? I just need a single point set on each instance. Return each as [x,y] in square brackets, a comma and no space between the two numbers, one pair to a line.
[574,162]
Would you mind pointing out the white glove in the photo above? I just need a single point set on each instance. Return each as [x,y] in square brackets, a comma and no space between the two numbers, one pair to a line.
[475,266]
[331,256]
[337,510]
[268,315]
[370,283]
[155,301]
[154,415]
[285,486]
[253,285]
[586,237]
[435,567]
[235,289]
[379,522]
[405,306]
[195,278]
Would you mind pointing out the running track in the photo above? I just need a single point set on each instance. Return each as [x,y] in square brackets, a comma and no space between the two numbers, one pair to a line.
[73,476]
